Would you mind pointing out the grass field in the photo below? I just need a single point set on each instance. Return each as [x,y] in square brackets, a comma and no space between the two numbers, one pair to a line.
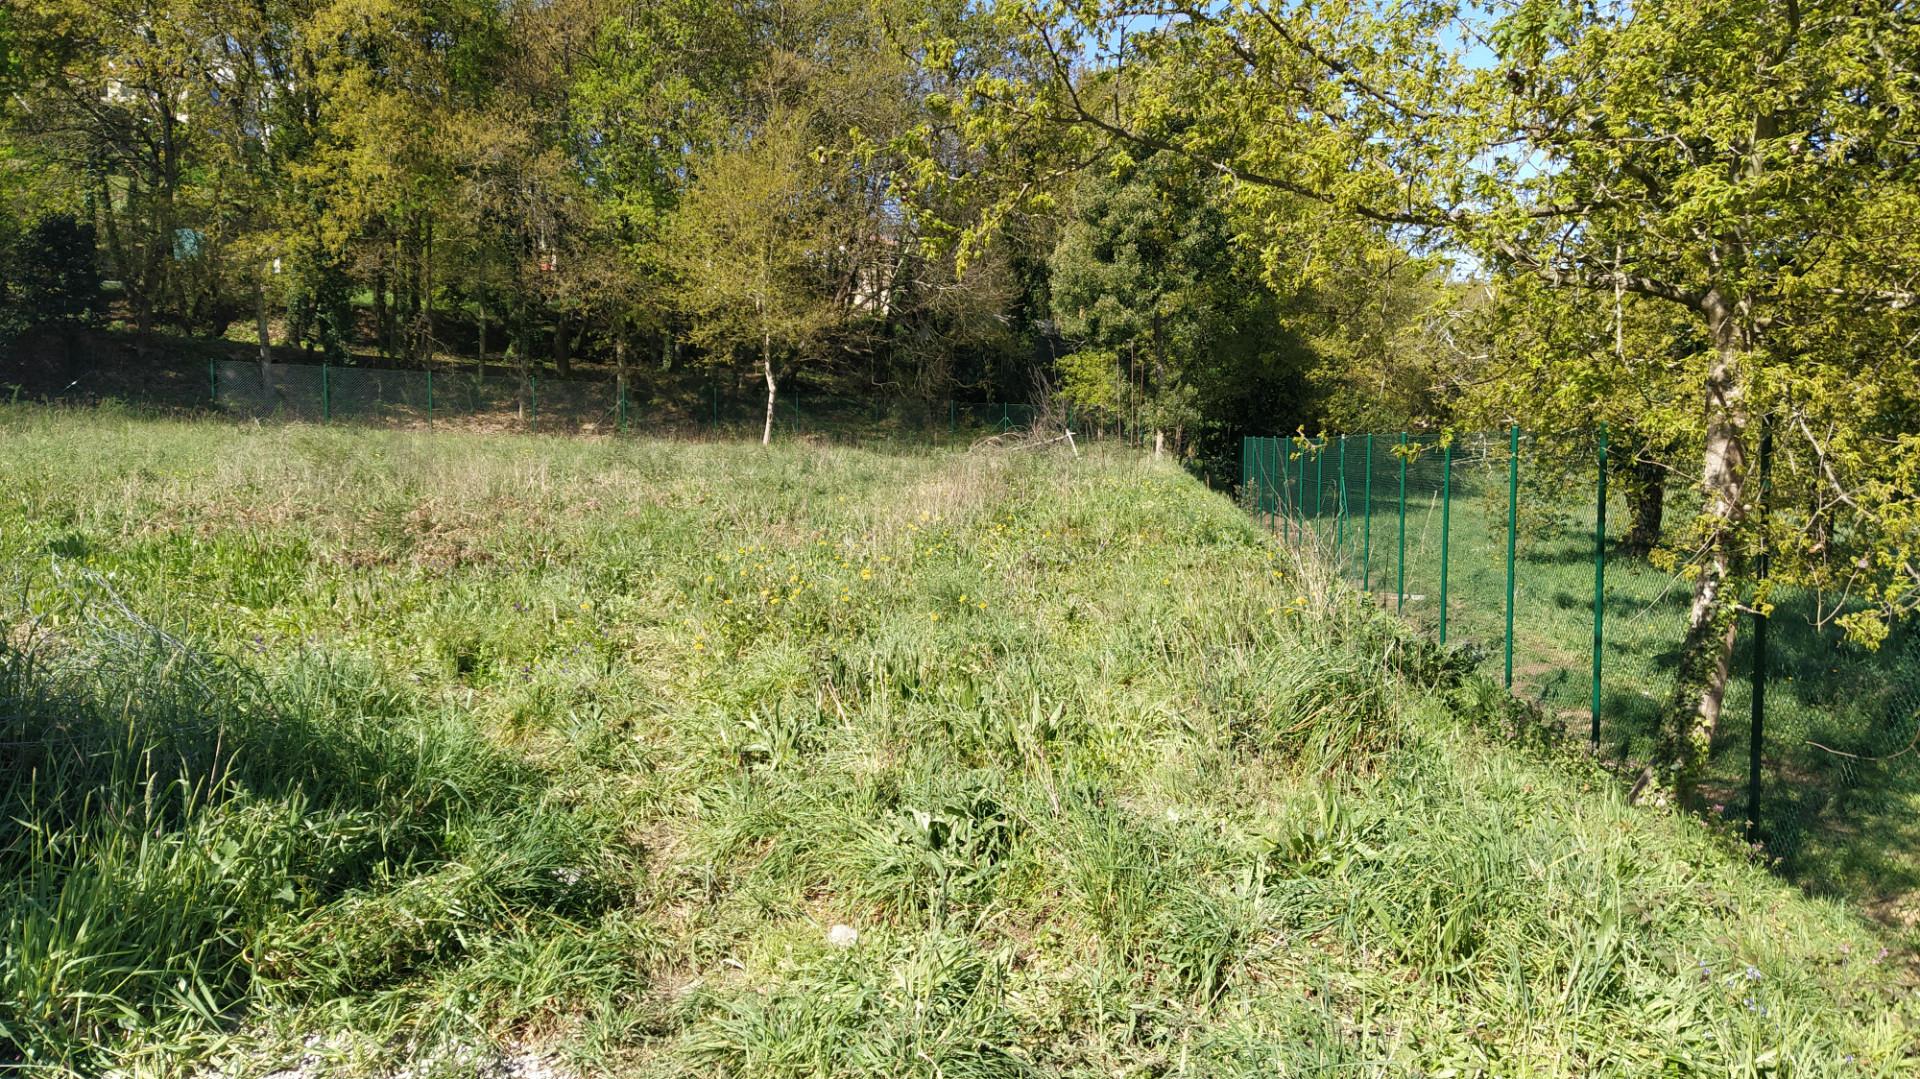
[1843,823]
[353,751]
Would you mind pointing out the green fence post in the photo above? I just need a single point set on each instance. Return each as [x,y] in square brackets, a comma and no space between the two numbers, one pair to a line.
[326,394]
[1340,508]
[1246,471]
[621,389]
[1400,583]
[1446,527]
[1599,575]
[1366,541]
[533,402]
[213,385]
[1266,480]
[1319,480]
[1513,524]
[716,407]
[1276,466]
[1300,497]
[1760,621]
[429,397]
[1286,495]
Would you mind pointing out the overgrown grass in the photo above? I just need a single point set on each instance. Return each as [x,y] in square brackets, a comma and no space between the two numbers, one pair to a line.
[377,750]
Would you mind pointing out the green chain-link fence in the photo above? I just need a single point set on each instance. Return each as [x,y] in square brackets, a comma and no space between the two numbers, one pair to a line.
[1510,547]
[343,394]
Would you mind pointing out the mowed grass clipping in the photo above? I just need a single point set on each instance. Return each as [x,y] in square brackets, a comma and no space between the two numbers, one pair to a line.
[366,751]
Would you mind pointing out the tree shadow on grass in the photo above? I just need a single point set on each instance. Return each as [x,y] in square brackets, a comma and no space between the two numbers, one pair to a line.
[176,826]
[1840,798]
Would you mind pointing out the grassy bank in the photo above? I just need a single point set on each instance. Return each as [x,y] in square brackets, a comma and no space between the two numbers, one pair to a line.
[1840,783]
[356,750]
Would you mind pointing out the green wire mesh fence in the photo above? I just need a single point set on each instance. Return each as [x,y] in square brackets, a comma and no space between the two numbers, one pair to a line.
[506,401]
[1510,548]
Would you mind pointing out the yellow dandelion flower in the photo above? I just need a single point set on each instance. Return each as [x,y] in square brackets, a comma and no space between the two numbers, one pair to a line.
[935,616]
[586,605]
[866,575]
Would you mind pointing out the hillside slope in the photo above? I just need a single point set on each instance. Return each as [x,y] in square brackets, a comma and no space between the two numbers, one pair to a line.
[352,751]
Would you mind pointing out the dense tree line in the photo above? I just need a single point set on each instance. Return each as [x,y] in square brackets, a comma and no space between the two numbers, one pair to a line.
[776,187]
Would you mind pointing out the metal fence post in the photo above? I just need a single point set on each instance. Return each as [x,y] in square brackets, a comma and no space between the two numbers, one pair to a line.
[429,397]
[1247,469]
[1366,542]
[1300,498]
[1599,575]
[621,388]
[1760,621]
[1340,507]
[1276,478]
[326,393]
[213,384]
[1446,527]
[1400,585]
[533,401]
[1513,523]
[1319,481]
[1269,491]
[1286,501]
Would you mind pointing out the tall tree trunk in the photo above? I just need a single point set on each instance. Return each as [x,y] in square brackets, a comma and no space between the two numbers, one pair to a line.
[260,324]
[1646,506]
[382,320]
[562,347]
[1700,685]
[766,366]
[520,343]
[620,364]
[480,357]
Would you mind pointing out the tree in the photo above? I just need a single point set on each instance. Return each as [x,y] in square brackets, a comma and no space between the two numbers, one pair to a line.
[58,281]
[108,94]
[1743,160]
[1561,364]
[749,242]
[1141,273]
